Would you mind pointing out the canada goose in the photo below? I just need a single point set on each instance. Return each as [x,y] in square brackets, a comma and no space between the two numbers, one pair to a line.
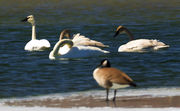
[111,78]
[34,44]
[138,45]
[65,48]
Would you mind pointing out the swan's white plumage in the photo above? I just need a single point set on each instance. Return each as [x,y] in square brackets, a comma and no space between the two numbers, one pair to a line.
[141,45]
[138,45]
[82,51]
[35,44]
[85,41]
[77,52]
[77,39]
[65,48]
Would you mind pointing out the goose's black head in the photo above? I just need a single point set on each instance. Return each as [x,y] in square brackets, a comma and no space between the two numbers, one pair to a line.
[105,63]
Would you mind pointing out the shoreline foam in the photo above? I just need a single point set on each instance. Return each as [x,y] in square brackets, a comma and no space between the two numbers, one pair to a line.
[127,98]
[123,102]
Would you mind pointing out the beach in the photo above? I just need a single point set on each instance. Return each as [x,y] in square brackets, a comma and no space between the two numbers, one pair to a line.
[79,101]
[149,99]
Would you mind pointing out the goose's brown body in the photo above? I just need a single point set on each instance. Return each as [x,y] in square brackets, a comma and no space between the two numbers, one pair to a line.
[108,77]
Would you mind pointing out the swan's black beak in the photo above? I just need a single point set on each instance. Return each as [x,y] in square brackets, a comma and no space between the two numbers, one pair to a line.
[24,20]
[117,32]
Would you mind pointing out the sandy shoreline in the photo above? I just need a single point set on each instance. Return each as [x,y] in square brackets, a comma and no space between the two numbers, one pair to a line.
[79,101]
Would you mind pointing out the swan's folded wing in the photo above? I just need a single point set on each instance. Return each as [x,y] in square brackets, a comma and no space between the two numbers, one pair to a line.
[37,45]
[45,43]
[82,40]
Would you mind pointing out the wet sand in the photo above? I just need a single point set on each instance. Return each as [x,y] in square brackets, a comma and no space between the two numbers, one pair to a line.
[79,101]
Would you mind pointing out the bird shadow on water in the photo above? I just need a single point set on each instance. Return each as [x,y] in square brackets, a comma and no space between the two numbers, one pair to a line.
[111,103]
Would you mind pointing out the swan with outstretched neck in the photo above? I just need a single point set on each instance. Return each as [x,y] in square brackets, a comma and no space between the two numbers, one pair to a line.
[65,48]
[34,44]
[138,45]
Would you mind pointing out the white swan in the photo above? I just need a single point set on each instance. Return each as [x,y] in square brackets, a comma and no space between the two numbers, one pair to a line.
[34,44]
[82,40]
[139,45]
[65,48]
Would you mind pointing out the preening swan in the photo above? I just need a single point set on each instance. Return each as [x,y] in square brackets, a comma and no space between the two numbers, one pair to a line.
[34,44]
[139,45]
[82,40]
[65,48]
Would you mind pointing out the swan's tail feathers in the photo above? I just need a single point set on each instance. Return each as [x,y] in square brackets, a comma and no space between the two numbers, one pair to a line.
[93,43]
[82,40]
[161,47]
[106,51]
[99,44]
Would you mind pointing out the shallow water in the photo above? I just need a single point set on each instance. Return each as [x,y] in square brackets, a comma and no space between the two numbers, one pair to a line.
[32,73]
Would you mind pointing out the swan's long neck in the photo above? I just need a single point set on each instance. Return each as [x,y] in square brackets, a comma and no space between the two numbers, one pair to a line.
[56,48]
[55,51]
[131,37]
[64,33]
[61,36]
[33,32]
